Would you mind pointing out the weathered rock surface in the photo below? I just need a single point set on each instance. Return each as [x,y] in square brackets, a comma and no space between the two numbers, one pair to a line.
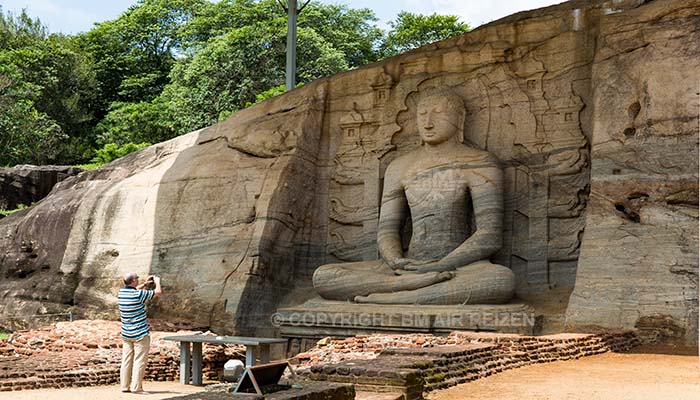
[639,256]
[590,106]
[27,184]
[209,212]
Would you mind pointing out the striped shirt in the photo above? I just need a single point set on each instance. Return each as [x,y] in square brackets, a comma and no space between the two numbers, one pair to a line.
[132,311]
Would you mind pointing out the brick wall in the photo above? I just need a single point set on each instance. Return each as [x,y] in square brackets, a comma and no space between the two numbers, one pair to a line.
[88,353]
[422,363]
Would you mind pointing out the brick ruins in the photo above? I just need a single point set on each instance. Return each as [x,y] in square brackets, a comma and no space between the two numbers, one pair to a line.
[414,364]
[87,353]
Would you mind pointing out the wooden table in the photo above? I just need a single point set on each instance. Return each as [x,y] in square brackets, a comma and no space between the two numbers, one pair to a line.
[253,345]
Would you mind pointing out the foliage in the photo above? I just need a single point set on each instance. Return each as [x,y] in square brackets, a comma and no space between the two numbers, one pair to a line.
[112,151]
[89,166]
[233,68]
[4,335]
[45,92]
[133,54]
[268,94]
[5,213]
[26,135]
[351,31]
[410,31]
[166,67]
[136,122]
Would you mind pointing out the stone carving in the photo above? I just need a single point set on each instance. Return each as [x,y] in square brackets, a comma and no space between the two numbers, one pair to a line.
[453,194]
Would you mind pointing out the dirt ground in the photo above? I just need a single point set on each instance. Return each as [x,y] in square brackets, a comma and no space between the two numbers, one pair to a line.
[620,376]
[156,390]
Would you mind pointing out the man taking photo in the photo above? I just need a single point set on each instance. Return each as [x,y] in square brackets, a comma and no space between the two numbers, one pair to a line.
[136,339]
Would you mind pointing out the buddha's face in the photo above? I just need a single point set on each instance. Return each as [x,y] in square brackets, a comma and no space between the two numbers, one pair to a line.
[437,120]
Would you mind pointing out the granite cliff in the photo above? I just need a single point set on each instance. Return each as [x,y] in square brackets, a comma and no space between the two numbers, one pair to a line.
[591,107]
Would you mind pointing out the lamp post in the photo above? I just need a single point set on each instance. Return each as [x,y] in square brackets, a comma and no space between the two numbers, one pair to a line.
[290,7]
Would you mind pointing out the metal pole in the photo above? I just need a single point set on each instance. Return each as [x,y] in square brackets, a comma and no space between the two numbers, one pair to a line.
[291,80]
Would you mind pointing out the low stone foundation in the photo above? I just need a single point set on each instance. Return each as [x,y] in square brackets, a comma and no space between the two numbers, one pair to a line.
[88,353]
[318,318]
[459,358]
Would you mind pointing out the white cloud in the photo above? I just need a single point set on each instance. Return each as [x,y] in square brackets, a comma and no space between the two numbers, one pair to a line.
[476,12]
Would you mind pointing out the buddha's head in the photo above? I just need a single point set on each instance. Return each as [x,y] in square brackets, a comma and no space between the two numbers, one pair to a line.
[440,116]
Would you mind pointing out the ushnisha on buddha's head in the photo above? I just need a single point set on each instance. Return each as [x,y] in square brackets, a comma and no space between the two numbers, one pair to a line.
[440,116]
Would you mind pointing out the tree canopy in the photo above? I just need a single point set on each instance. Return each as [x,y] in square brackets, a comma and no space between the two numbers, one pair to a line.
[410,31]
[167,67]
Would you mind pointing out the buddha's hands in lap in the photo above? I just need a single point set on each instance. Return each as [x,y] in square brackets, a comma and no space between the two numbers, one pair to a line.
[412,267]
[422,267]
[399,264]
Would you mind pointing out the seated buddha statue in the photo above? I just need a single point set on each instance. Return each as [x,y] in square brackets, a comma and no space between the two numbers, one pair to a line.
[453,194]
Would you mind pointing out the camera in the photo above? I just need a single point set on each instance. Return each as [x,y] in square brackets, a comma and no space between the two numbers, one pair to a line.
[150,283]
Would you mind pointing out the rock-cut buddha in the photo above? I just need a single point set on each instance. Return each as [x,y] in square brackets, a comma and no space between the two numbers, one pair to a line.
[453,194]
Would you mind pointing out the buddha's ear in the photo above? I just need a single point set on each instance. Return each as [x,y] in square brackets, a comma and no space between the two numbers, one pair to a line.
[462,121]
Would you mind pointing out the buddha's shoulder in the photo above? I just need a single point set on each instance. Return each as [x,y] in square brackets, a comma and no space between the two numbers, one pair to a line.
[404,159]
[475,154]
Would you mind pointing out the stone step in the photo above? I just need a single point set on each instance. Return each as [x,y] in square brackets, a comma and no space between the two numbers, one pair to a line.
[378,396]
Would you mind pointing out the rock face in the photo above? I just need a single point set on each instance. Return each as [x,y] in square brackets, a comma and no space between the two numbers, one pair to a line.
[590,106]
[27,184]
[639,256]
[218,213]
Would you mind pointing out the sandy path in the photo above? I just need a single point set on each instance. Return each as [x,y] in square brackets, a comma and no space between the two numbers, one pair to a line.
[157,390]
[606,376]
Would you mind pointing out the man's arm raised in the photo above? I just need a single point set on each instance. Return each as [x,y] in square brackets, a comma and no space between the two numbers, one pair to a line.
[158,290]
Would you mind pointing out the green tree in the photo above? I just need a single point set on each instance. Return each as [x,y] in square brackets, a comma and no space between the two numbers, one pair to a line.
[214,59]
[353,32]
[166,67]
[112,151]
[20,31]
[233,68]
[47,90]
[26,135]
[136,122]
[225,16]
[134,53]
[410,31]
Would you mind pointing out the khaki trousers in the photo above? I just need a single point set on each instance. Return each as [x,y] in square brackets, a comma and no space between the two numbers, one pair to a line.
[134,359]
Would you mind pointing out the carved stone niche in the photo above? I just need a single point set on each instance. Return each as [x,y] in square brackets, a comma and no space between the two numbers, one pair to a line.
[354,201]
[537,138]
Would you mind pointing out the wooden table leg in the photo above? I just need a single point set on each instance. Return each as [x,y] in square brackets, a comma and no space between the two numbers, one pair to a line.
[197,363]
[264,353]
[249,356]
[185,363]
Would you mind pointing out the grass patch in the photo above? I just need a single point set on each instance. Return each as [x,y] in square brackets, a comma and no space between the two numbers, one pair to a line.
[5,213]
[90,167]
[4,335]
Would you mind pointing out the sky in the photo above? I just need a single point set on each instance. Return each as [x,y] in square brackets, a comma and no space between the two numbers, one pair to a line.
[73,16]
